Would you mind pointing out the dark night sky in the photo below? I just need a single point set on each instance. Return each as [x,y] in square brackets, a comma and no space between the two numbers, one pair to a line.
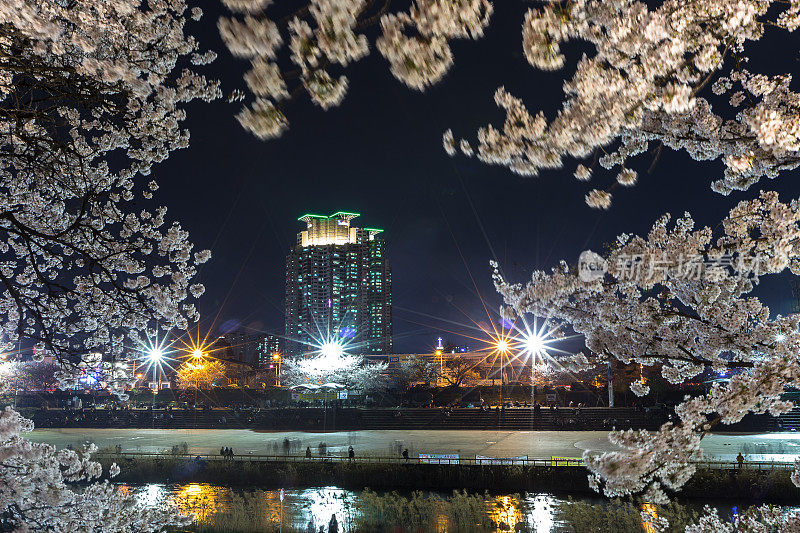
[380,154]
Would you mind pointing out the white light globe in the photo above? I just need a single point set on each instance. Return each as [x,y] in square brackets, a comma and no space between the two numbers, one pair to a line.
[331,349]
[534,344]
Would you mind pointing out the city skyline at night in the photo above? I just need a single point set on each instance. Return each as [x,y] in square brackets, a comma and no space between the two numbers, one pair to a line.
[338,287]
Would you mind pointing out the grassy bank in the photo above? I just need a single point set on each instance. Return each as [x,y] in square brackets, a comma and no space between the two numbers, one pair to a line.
[741,486]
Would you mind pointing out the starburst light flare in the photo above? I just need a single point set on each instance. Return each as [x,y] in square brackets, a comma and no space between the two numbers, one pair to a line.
[331,350]
[154,353]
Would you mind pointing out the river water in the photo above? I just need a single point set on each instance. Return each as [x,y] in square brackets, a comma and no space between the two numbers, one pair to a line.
[223,509]
[219,508]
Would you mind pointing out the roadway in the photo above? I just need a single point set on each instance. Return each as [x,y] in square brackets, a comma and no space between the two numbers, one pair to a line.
[534,444]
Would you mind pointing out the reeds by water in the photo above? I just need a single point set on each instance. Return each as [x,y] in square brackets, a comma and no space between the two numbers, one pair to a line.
[246,512]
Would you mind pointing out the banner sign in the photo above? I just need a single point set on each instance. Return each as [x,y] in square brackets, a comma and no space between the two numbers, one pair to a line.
[314,396]
[439,458]
[483,460]
[566,461]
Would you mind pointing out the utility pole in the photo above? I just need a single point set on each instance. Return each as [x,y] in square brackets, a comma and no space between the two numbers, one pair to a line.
[610,387]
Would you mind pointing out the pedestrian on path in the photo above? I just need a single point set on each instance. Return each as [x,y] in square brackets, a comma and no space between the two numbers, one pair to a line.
[308,452]
[351,454]
[740,460]
[405,454]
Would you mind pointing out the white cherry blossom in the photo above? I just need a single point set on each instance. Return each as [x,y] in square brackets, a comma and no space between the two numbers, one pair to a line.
[644,85]
[652,306]
[38,491]
[92,96]
[325,34]
[350,371]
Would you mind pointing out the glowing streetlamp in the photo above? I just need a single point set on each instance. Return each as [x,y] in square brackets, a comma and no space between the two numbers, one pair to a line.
[155,355]
[534,344]
[440,355]
[278,360]
[198,354]
[331,350]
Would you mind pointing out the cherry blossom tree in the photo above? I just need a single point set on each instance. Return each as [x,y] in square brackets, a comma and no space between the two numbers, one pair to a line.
[29,375]
[37,494]
[92,95]
[201,375]
[351,371]
[682,298]
[644,87]
[415,369]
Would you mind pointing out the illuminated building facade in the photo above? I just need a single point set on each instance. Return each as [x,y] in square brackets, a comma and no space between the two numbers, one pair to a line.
[266,347]
[254,349]
[338,287]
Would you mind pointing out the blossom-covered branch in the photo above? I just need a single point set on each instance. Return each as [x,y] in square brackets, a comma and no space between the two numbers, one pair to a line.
[326,35]
[660,316]
[644,86]
[351,371]
[37,492]
[91,96]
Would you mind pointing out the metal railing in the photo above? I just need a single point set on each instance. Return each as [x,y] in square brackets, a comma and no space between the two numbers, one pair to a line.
[390,460]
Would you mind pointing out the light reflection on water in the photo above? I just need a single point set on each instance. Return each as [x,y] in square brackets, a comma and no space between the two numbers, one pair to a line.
[311,509]
[316,506]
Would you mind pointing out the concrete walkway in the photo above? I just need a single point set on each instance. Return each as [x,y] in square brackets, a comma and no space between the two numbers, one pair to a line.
[534,444]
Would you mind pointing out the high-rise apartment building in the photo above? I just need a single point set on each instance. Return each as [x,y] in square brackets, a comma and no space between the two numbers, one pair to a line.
[338,287]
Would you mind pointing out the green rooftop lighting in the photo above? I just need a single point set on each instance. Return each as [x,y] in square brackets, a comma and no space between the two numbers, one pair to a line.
[310,215]
[344,213]
[339,214]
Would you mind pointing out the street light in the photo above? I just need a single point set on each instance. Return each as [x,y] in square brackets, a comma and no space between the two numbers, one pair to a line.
[534,344]
[155,355]
[331,350]
[198,353]
[277,358]
[502,347]
[440,355]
